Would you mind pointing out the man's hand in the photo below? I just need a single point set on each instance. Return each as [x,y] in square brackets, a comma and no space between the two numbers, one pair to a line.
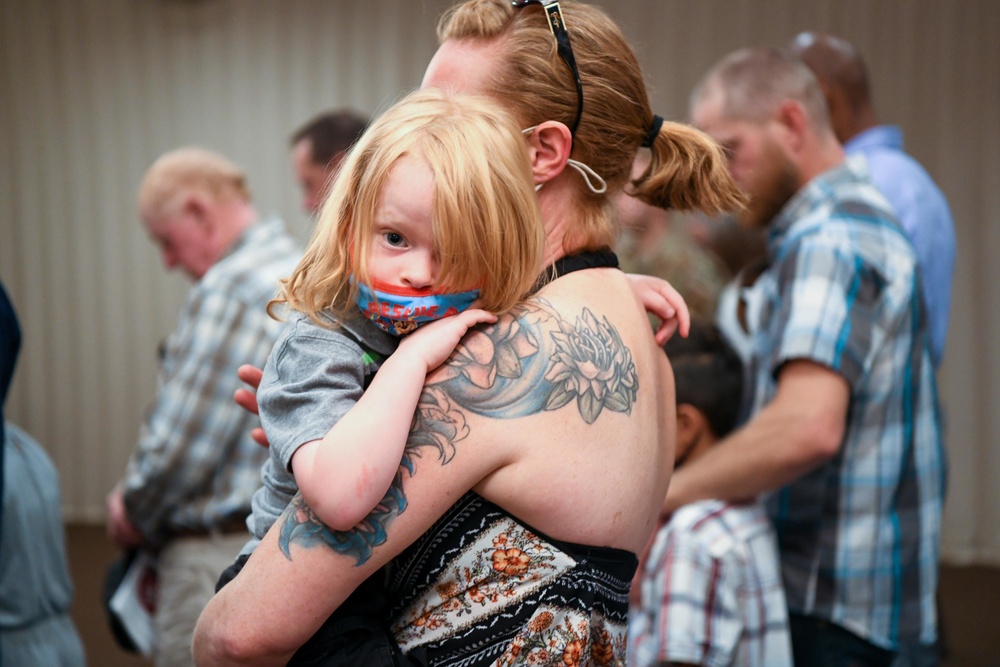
[662,300]
[120,530]
[247,399]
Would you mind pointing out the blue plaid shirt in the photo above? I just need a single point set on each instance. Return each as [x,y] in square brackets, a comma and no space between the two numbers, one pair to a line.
[196,466]
[859,537]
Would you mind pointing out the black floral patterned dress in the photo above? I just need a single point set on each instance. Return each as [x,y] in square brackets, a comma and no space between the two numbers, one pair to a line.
[482,588]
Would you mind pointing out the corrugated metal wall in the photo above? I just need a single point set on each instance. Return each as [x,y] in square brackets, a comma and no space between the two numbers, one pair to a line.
[92,91]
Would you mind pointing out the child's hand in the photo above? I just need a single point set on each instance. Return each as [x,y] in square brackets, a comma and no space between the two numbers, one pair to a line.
[435,341]
[661,299]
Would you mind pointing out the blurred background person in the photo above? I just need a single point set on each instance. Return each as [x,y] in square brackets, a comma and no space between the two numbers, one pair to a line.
[318,147]
[187,488]
[10,345]
[710,589]
[844,435]
[35,588]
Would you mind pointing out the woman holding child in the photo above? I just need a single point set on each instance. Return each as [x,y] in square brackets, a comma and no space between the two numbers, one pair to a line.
[541,449]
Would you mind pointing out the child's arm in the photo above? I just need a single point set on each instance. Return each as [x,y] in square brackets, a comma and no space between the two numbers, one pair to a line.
[346,474]
[661,299]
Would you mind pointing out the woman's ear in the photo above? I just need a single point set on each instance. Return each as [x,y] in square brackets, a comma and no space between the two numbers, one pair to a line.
[549,147]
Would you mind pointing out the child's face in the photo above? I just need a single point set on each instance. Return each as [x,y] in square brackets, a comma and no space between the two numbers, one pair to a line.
[402,250]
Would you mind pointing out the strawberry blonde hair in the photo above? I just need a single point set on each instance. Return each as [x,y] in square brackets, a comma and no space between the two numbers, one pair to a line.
[687,170]
[485,218]
[184,171]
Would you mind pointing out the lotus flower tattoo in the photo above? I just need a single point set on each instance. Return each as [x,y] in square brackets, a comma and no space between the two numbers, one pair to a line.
[593,366]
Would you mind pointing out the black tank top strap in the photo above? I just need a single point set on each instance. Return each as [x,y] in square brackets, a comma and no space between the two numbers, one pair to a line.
[602,258]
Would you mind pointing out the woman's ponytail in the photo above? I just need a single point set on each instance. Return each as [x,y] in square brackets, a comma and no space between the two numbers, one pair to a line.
[687,170]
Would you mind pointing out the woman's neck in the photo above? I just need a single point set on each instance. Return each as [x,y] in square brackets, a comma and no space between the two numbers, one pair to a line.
[561,218]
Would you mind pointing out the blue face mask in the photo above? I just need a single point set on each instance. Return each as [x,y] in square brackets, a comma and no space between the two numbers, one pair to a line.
[400,310]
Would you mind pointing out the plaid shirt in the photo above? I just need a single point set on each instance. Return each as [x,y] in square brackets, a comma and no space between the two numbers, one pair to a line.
[859,536]
[196,466]
[711,592]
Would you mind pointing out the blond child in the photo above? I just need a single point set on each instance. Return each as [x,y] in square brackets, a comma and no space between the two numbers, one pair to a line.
[434,209]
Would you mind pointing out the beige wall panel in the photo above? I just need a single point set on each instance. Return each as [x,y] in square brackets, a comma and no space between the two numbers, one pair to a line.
[91,91]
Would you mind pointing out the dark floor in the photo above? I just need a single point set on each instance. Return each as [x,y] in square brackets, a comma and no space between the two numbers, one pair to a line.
[969,598]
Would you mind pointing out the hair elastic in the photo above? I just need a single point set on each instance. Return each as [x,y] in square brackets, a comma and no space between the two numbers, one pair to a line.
[654,131]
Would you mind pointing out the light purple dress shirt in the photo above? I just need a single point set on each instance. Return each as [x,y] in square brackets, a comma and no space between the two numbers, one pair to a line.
[924,214]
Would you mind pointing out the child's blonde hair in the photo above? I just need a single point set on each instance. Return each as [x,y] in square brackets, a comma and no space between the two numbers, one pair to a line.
[486,223]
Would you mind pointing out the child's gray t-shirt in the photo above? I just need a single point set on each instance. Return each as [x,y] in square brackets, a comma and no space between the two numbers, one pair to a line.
[313,377]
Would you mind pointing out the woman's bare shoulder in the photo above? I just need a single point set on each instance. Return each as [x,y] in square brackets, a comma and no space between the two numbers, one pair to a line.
[570,375]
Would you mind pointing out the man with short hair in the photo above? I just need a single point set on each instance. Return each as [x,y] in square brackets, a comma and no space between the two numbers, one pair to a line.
[843,437]
[918,202]
[187,488]
[317,150]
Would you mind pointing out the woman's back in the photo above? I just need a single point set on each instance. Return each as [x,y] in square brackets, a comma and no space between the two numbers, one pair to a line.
[591,461]
[567,404]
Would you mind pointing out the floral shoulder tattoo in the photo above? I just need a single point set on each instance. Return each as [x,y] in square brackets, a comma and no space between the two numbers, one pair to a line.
[531,360]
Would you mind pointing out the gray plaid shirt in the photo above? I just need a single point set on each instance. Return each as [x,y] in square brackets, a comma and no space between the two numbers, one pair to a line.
[196,466]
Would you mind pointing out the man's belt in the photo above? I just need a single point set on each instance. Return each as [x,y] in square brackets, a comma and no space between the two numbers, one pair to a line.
[230,526]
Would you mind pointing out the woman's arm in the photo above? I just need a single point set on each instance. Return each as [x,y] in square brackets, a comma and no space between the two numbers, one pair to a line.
[346,474]
[302,571]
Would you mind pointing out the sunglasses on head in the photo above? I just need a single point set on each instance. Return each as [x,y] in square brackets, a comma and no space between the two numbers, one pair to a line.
[558,27]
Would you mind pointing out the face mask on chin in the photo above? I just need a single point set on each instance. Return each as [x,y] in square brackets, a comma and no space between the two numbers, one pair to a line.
[400,310]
